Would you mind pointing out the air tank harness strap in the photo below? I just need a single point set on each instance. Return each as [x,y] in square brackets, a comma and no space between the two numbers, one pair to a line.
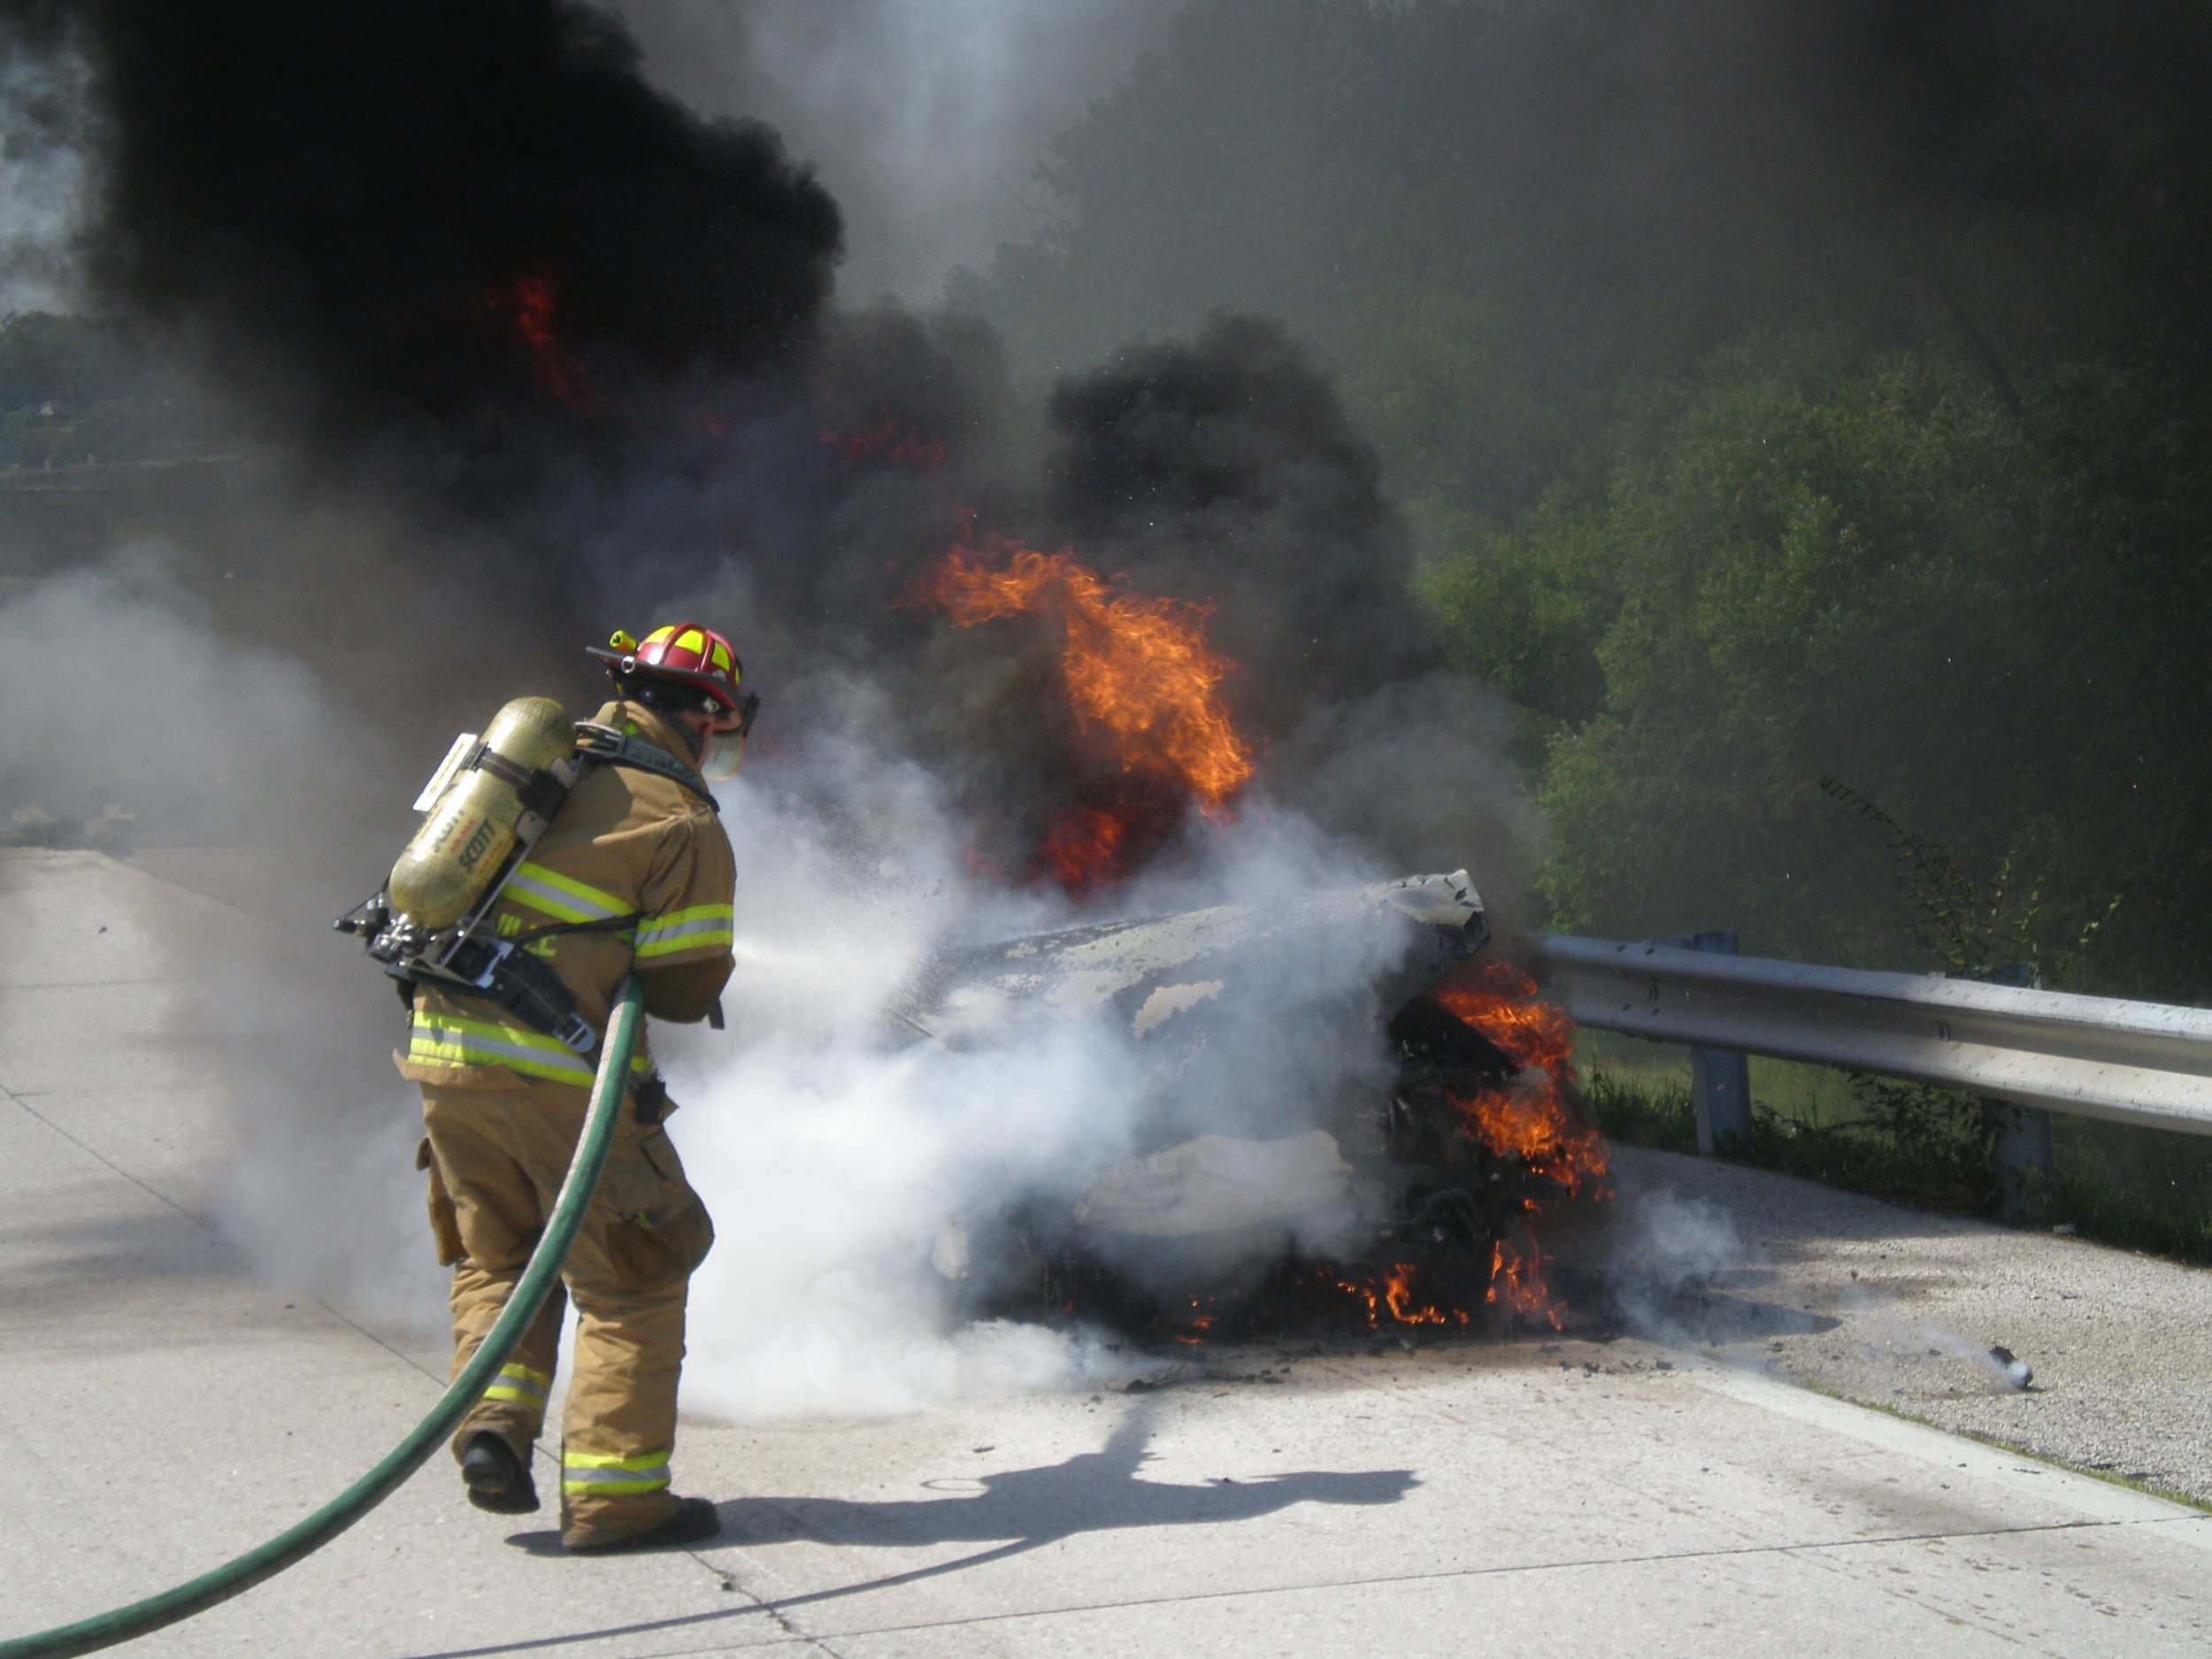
[611,748]
[540,791]
[525,986]
[604,924]
[522,983]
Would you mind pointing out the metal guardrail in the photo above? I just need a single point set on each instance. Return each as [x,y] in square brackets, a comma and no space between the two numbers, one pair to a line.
[2138,1063]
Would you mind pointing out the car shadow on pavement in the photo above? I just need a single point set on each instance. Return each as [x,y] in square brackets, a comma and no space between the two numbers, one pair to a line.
[1014,1511]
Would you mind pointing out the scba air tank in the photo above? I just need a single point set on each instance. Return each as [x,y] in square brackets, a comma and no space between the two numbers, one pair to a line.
[474,821]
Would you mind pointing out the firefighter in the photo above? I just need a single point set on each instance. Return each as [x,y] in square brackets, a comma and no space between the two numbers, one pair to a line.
[633,876]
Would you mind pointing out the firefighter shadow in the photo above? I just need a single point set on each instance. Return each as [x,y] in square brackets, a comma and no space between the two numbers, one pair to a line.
[1022,1509]
[1013,1511]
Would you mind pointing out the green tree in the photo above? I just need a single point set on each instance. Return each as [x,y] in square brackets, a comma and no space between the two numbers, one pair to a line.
[1815,558]
[1819,563]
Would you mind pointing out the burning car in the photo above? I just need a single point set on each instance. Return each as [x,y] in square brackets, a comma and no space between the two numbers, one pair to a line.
[1363,1147]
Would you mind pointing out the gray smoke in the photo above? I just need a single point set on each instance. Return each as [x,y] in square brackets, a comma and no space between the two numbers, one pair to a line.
[927,118]
[1418,771]
[45,168]
[231,772]
[1664,1249]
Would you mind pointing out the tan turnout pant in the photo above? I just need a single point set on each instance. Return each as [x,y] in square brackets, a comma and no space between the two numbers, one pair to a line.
[496,1158]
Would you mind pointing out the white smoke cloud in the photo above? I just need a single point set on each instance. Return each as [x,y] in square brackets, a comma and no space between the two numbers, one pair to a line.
[119,697]
[1665,1248]
[44,176]
[829,1171]
[831,1145]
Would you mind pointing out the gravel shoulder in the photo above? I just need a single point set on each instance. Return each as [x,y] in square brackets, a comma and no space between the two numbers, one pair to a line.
[1898,1309]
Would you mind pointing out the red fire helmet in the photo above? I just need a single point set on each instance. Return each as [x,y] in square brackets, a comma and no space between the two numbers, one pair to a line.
[683,651]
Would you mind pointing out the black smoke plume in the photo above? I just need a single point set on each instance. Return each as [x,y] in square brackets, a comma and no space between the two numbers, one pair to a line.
[351,205]
[1223,470]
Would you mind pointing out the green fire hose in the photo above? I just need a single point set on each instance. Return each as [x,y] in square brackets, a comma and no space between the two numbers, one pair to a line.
[299,1541]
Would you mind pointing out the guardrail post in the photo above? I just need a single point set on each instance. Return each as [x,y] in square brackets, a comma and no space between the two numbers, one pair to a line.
[1720,1078]
[2022,1157]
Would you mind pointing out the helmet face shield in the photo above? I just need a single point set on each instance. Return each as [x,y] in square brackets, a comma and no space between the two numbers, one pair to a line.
[718,763]
[724,746]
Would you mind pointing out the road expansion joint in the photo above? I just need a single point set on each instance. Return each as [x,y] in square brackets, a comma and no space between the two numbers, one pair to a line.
[158,1196]
[1783,1551]
[731,1583]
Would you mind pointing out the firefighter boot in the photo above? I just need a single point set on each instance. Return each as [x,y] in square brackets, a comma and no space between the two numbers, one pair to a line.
[693,1521]
[497,1479]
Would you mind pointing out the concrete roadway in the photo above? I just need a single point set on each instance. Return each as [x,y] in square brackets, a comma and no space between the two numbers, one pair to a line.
[1536,1498]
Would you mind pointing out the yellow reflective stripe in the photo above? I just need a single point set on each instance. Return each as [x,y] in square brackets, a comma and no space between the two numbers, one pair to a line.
[699,927]
[448,1040]
[521,1384]
[563,897]
[611,1460]
[600,1475]
[604,1485]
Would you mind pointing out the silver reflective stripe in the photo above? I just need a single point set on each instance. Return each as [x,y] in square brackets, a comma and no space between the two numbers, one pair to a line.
[657,931]
[472,1043]
[565,903]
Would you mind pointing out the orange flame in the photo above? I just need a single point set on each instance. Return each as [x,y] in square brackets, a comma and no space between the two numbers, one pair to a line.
[1527,1119]
[1195,1327]
[1085,846]
[530,301]
[1137,669]
[1392,1294]
[1503,1004]
[1516,1282]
